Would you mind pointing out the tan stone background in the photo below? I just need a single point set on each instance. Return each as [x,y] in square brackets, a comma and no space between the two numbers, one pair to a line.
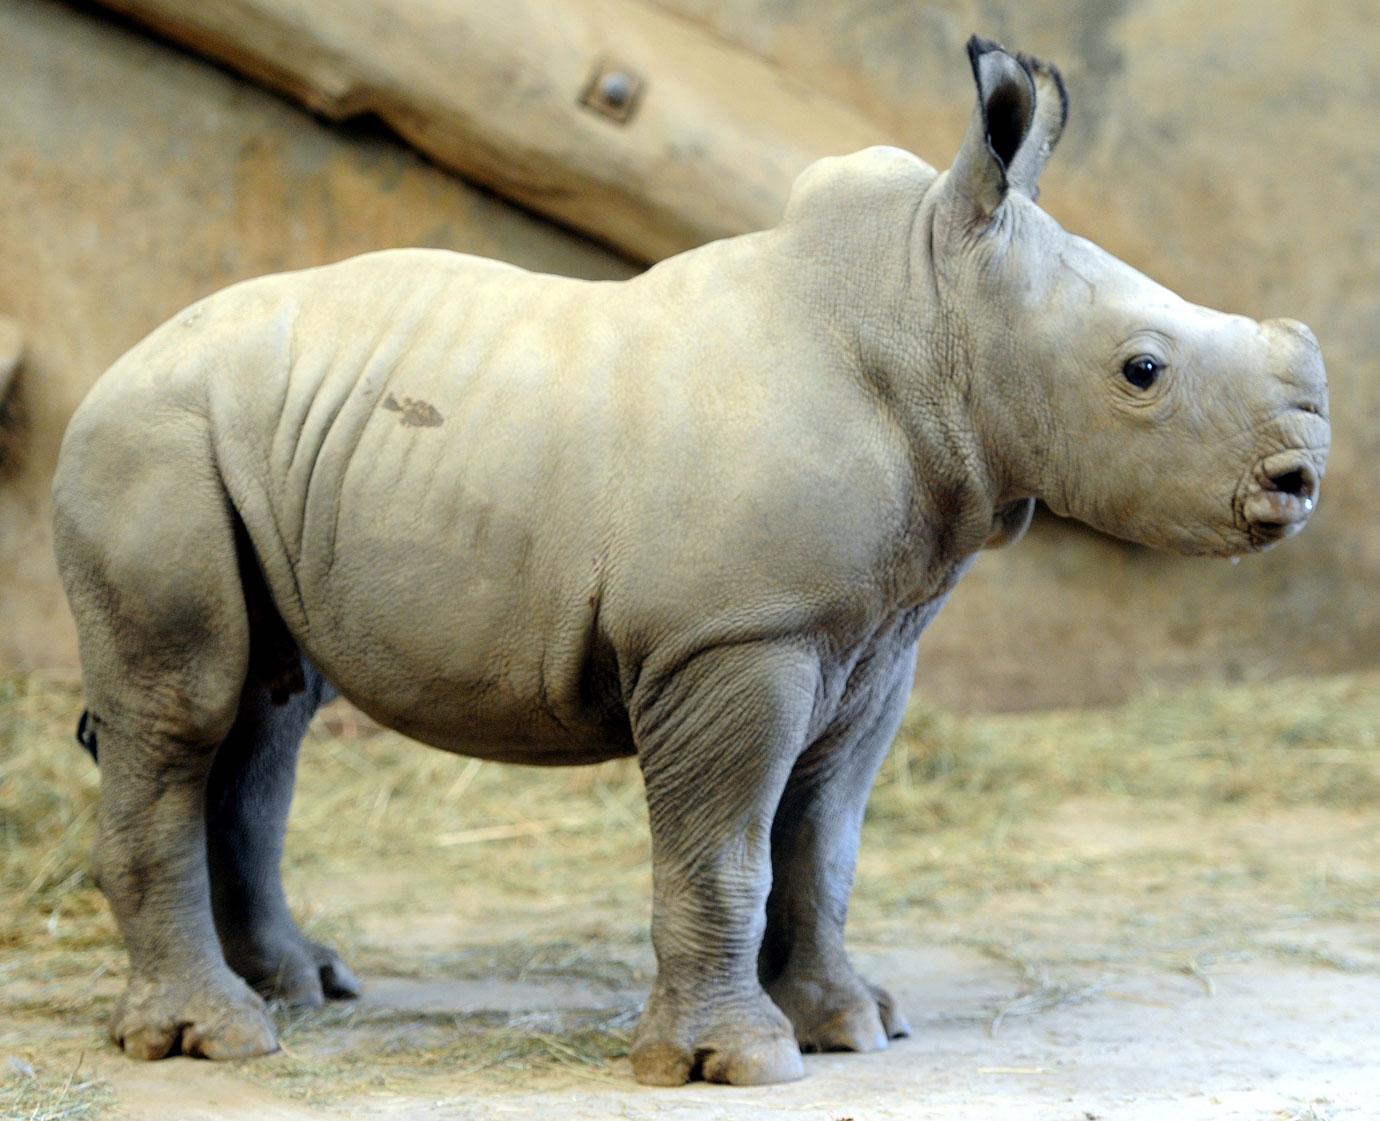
[1229,149]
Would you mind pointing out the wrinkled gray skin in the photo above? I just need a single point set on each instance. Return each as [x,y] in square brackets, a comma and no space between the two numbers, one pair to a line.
[701,516]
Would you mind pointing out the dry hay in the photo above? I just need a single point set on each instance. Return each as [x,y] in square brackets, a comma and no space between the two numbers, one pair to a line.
[963,844]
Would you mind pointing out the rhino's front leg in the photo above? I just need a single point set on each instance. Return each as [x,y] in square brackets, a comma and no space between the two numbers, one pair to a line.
[814,849]
[716,742]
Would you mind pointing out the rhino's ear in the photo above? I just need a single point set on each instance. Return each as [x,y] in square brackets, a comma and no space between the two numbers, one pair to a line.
[1005,112]
[1051,115]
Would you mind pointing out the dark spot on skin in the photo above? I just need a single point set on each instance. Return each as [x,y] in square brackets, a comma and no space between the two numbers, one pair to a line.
[415,414]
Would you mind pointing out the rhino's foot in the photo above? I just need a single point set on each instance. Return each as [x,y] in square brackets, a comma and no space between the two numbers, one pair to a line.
[844,1014]
[207,1020]
[295,970]
[744,1044]
[893,1019]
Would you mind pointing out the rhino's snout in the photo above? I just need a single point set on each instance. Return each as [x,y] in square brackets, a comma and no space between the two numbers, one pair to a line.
[1279,493]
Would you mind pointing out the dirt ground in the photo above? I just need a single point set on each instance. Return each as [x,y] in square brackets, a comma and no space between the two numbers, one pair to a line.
[1166,911]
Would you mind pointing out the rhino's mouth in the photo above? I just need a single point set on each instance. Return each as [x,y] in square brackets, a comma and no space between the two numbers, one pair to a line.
[1278,496]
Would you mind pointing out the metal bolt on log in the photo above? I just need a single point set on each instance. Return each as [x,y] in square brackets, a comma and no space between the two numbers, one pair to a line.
[613,91]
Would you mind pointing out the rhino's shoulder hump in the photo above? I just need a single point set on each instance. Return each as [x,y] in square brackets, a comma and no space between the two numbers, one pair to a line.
[871,176]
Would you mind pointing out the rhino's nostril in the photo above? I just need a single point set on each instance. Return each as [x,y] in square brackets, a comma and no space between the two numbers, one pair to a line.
[1290,482]
[1299,481]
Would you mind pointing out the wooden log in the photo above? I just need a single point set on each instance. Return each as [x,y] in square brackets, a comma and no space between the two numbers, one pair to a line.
[713,134]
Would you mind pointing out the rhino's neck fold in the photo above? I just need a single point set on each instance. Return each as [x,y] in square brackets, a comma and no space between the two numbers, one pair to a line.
[872,273]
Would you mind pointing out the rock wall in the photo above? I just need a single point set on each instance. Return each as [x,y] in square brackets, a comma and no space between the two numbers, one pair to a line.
[1229,150]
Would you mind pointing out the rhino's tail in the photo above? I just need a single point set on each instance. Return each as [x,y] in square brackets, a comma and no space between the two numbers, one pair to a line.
[86,732]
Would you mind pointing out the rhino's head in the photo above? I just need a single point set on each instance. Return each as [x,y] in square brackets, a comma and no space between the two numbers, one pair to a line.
[1101,392]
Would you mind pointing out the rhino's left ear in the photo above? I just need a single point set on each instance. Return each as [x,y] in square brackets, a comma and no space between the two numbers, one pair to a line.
[1051,115]
[1006,110]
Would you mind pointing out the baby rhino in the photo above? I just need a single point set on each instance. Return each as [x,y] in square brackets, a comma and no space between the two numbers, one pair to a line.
[700,517]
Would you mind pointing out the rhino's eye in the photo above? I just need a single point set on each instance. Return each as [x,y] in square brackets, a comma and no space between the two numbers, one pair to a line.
[1142,371]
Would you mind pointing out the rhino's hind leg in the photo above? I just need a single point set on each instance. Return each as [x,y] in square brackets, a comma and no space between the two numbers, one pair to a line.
[248,797]
[182,998]
[814,847]
[146,549]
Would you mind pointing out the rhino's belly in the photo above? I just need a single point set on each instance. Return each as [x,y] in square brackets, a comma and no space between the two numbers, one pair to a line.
[466,616]
[515,731]
[458,685]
